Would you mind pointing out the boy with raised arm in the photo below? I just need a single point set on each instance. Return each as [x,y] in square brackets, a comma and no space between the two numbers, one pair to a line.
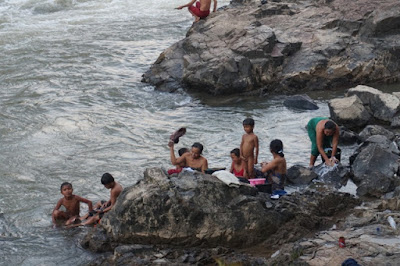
[201,9]
[249,147]
[71,203]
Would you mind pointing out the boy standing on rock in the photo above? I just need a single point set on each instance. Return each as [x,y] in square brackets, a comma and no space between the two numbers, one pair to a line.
[201,9]
[249,147]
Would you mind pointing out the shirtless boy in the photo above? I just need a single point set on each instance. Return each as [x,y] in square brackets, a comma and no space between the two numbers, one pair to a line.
[249,147]
[201,10]
[71,203]
[191,159]
[102,207]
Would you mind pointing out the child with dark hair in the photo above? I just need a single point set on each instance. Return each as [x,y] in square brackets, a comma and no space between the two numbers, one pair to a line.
[179,166]
[102,207]
[276,169]
[237,167]
[71,203]
[249,147]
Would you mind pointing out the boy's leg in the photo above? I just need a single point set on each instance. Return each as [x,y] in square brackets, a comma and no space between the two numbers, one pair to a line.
[60,215]
[250,167]
[246,170]
[73,220]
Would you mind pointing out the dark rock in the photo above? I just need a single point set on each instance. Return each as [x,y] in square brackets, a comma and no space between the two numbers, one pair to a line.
[195,209]
[371,130]
[97,241]
[347,136]
[301,102]
[375,171]
[299,175]
[285,46]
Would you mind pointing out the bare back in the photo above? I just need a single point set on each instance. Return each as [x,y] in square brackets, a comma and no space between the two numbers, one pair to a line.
[199,163]
[205,5]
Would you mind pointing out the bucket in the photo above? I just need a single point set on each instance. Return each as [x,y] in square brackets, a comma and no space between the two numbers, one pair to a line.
[328,152]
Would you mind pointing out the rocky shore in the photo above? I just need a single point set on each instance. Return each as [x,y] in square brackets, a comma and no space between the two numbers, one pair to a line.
[194,218]
[284,46]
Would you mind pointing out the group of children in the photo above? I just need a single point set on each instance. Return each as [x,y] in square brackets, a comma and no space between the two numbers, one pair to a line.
[243,162]
[70,216]
[243,159]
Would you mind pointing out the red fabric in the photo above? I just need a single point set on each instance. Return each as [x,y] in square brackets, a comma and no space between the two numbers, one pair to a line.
[240,173]
[196,10]
[174,171]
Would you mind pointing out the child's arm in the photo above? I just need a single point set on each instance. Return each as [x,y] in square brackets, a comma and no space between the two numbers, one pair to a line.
[58,205]
[256,147]
[113,198]
[174,160]
[241,147]
[88,202]
[204,166]
[187,5]
[215,6]
[269,166]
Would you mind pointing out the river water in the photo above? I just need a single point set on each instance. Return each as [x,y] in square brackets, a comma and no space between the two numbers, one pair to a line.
[72,107]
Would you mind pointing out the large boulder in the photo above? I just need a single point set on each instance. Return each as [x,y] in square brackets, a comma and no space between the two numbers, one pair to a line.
[383,106]
[195,209]
[375,171]
[349,111]
[284,46]
[190,209]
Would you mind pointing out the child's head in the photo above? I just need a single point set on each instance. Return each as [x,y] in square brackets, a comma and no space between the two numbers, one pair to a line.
[235,155]
[276,146]
[329,128]
[66,189]
[183,151]
[248,125]
[107,179]
[197,149]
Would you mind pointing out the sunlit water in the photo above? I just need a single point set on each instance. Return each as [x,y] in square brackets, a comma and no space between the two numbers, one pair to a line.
[72,107]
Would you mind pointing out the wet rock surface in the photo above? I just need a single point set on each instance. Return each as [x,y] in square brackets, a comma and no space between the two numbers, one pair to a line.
[206,221]
[284,47]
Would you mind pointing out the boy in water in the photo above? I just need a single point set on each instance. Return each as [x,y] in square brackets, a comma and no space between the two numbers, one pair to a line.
[71,203]
[101,207]
[249,147]
[201,10]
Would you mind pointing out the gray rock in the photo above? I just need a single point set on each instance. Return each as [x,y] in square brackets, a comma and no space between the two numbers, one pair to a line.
[195,209]
[285,46]
[347,137]
[375,171]
[299,175]
[349,111]
[371,130]
[300,102]
[383,106]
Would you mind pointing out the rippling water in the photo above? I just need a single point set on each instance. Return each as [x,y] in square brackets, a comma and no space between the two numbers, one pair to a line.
[72,107]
